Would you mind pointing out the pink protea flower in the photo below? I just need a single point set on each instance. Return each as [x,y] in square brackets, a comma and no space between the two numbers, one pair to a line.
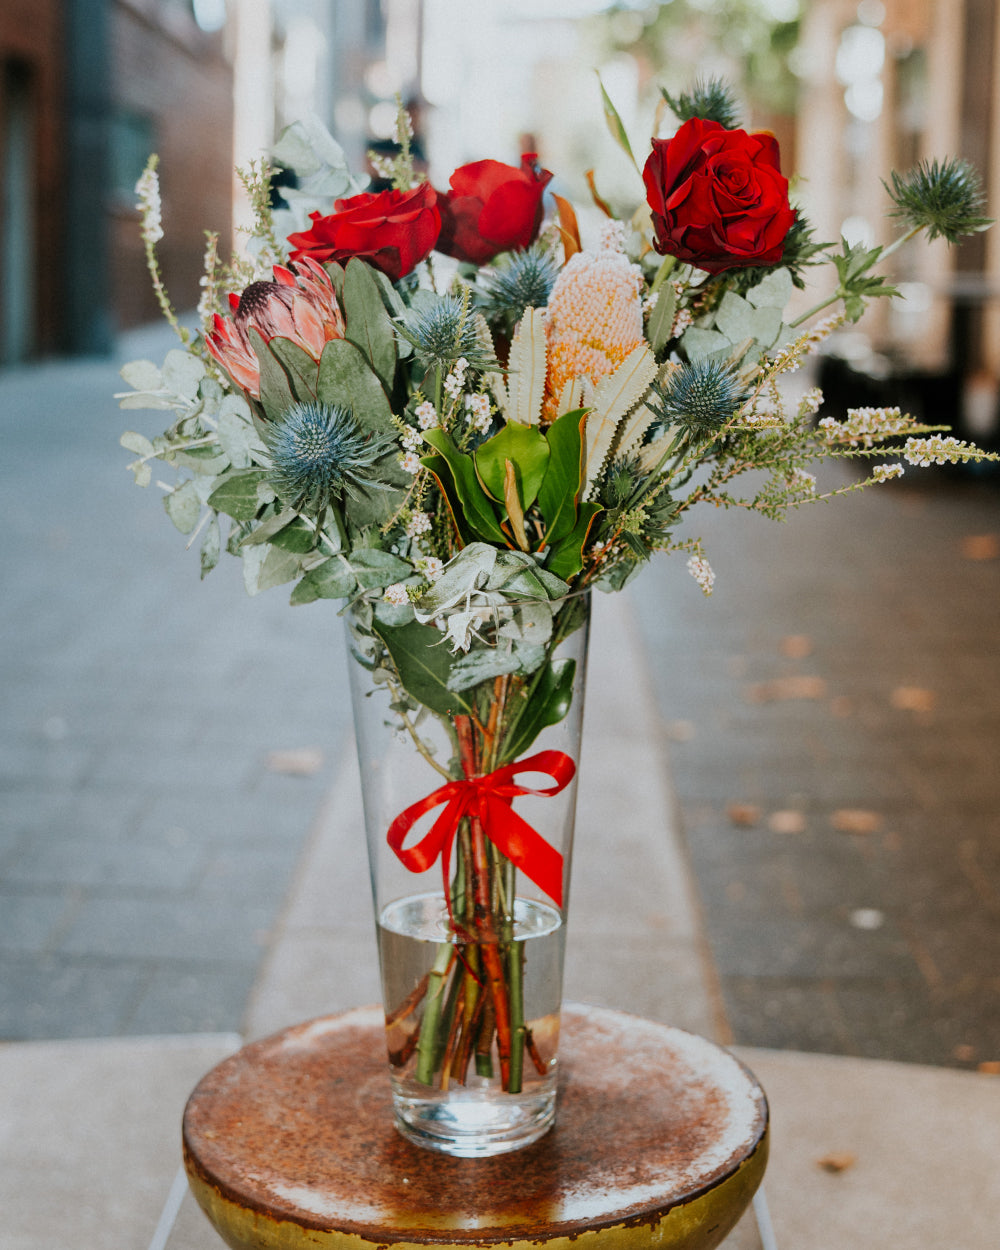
[300,305]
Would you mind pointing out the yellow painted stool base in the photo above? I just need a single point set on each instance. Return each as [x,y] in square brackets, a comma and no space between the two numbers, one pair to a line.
[660,1140]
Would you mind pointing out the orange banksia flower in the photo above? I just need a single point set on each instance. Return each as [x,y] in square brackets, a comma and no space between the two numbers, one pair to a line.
[594,316]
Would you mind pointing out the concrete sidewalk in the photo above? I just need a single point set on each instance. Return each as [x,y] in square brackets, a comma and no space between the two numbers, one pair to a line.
[865,1154]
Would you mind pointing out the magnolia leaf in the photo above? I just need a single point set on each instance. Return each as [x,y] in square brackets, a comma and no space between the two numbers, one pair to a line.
[183,507]
[138,443]
[522,445]
[526,369]
[368,325]
[424,666]
[661,319]
[182,372]
[237,494]
[474,512]
[211,547]
[346,381]
[614,397]
[550,701]
[566,558]
[560,488]
[141,375]
[774,291]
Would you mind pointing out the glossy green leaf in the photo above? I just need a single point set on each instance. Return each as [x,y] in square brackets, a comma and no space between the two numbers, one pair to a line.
[549,702]
[473,502]
[566,559]
[563,481]
[527,449]
[423,662]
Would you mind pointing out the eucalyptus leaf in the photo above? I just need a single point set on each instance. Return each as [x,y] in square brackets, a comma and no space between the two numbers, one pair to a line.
[236,494]
[530,623]
[374,568]
[301,369]
[368,324]
[211,547]
[697,343]
[276,395]
[142,472]
[739,320]
[774,291]
[142,375]
[331,580]
[183,507]
[264,567]
[347,381]
[237,436]
[182,372]
[138,443]
[485,663]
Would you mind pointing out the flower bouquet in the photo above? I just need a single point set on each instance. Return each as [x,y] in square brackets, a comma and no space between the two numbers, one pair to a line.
[449,412]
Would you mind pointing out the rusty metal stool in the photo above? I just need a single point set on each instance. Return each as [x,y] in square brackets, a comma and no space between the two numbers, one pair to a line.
[660,1139]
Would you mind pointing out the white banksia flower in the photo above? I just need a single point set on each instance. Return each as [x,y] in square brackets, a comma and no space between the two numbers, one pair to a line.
[410,463]
[924,452]
[701,571]
[426,415]
[148,191]
[611,237]
[883,472]
[419,523]
[430,566]
[396,594]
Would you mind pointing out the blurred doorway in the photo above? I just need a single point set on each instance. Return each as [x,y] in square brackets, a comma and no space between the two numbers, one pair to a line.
[17,211]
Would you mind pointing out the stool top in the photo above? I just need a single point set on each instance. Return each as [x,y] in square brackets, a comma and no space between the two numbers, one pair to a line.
[297,1129]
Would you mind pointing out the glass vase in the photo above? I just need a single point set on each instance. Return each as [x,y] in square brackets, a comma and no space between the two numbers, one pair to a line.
[469,800]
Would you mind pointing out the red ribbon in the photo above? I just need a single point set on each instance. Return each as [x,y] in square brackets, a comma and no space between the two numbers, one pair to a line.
[490,799]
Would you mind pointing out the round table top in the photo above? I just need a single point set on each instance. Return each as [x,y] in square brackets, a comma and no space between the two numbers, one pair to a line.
[294,1134]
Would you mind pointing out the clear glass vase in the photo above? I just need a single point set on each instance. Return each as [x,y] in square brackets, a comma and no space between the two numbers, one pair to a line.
[469,799]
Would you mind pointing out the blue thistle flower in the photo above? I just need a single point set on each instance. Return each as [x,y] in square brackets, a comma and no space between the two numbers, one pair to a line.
[443,331]
[701,396]
[320,453]
[943,198]
[525,281]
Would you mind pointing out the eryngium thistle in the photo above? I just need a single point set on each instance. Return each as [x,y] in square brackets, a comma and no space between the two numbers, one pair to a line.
[445,331]
[944,199]
[701,396]
[320,453]
[525,281]
[710,99]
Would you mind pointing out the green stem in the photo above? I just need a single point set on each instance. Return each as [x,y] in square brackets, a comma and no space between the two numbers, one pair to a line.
[428,1045]
[840,293]
[665,270]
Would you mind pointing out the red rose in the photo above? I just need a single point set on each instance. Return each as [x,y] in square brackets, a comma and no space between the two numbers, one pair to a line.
[393,230]
[718,197]
[491,208]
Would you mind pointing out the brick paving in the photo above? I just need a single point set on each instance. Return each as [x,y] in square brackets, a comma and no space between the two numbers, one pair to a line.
[145,844]
[834,711]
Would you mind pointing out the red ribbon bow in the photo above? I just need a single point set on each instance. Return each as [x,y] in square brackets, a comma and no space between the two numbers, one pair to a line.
[490,799]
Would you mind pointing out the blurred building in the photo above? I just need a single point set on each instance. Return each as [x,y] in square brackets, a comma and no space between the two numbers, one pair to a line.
[885,84]
[89,88]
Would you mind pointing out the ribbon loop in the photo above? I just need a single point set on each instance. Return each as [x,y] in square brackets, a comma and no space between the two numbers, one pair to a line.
[490,798]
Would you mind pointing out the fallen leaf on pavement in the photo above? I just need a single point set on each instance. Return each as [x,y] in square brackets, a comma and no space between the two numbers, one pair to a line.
[743,814]
[856,820]
[981,546]
[786,821]
[913,699]
[300,763]
[800,687]
[796,646]
[837,1161]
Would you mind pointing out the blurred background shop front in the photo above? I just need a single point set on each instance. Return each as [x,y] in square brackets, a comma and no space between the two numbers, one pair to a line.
[88,88]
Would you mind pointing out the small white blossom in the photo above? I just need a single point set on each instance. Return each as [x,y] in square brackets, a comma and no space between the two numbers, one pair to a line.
[883,472]
[800,480]
[410,463]
[865,426]
[935,450]
[426,415]
[455,380]
[148,191]
[650,302]
[478,412]
[397,594]
[811,402]
[411,439]
[430,566]
[419,523]
[701,571]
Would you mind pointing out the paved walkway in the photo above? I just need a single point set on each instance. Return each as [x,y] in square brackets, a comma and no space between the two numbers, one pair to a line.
[159,877]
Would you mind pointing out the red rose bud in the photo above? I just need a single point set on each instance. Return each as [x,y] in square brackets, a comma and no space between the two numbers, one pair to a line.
[491,208]
[392,230]
[718,197]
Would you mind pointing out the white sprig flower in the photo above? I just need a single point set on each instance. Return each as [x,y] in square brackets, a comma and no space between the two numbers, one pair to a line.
[396,594]
[410,463]
[455,381]
[430,566]
[884,472]
[426,415]
[419,523]
[935,450]
[701,571]
[478,412]
[148,191]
